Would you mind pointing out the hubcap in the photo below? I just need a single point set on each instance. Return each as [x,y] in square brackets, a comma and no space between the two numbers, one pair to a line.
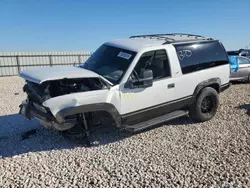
[207,104]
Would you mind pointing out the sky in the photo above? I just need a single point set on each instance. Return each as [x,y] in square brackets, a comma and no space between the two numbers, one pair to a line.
[83,25]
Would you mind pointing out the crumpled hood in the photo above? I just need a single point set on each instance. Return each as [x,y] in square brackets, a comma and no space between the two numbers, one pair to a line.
[40,75]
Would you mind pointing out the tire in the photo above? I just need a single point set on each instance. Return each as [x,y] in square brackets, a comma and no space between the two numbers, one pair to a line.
[205,106]
[75,134]
[248,79]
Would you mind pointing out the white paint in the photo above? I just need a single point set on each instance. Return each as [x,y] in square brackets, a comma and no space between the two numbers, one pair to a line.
[130,100]
[159,93]
[40,75]
[77,99]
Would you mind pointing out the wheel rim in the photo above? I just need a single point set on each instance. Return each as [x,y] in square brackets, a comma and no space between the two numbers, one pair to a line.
[207,104]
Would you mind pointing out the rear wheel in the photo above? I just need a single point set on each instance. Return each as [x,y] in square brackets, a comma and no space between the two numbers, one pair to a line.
[205,106]
[248,79]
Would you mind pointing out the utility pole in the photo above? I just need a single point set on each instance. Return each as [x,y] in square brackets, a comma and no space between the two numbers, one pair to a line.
[246,47]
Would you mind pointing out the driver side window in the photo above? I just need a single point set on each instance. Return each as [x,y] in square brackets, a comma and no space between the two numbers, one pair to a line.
[157,61]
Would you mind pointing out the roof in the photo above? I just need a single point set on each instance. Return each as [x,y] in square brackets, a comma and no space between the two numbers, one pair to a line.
[136,43]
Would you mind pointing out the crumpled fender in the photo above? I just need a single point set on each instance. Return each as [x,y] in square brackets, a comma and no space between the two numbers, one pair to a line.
[76,103]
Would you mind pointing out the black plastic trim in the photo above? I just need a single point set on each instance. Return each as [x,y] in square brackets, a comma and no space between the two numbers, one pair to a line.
[206,83]
[156,111]
[152,122]
[225,87]
[91,108]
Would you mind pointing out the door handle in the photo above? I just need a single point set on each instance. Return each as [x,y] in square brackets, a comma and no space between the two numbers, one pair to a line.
[171,85]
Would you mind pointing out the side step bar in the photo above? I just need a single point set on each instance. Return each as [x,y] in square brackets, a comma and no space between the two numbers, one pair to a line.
[161,119]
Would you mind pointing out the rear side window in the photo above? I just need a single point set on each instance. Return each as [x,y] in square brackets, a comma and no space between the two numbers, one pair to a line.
[198,56]
[245,53]
[243,60]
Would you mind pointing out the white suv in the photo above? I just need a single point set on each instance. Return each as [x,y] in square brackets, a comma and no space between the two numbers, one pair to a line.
[136,82]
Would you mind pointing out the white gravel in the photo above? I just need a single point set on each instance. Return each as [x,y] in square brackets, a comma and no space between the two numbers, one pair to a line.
[179,154]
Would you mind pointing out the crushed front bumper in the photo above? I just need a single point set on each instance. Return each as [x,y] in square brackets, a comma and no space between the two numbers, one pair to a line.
[30,110]
[34,110]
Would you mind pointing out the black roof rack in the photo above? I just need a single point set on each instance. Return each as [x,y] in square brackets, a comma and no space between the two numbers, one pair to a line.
[154,35]
[168,36]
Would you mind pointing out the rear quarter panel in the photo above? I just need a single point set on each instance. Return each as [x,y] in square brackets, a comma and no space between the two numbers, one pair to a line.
[185,84]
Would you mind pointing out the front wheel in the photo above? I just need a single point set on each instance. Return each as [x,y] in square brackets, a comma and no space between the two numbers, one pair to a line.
[205,106]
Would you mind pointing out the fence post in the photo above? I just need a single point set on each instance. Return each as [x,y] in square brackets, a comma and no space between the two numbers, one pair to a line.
[50,60]
[18,64]
[79,59]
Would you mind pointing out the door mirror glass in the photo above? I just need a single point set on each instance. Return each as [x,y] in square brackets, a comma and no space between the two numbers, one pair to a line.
[146,77]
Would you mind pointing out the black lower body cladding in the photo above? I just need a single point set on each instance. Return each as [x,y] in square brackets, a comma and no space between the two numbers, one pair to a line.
[225,87]
[92,108]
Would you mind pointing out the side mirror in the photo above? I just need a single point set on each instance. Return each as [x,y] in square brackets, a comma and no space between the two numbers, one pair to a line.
[145,80]
[146,77]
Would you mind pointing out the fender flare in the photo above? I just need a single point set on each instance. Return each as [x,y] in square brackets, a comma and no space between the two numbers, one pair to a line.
[214,82]
[110,108]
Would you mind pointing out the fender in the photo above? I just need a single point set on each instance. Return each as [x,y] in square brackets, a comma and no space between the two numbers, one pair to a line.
[110,108]
[77,103]
[213,82]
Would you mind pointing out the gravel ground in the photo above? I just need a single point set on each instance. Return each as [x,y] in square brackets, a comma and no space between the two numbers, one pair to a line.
[179,154]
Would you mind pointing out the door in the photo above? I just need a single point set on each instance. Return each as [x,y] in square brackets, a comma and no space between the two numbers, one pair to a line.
[244,67]
[140,104]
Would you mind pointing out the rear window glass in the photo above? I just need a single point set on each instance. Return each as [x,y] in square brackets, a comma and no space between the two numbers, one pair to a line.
[197,56]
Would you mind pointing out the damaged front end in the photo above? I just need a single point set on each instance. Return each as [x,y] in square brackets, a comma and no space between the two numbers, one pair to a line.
[33,110]
[39,93]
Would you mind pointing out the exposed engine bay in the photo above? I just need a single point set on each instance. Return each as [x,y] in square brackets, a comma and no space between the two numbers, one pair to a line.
[79,123]
[42,92]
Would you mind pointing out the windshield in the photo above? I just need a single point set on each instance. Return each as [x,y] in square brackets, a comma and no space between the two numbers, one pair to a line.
[110,62]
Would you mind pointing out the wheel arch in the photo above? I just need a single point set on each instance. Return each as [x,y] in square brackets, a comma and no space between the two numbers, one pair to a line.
[96,107]
[212,82]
